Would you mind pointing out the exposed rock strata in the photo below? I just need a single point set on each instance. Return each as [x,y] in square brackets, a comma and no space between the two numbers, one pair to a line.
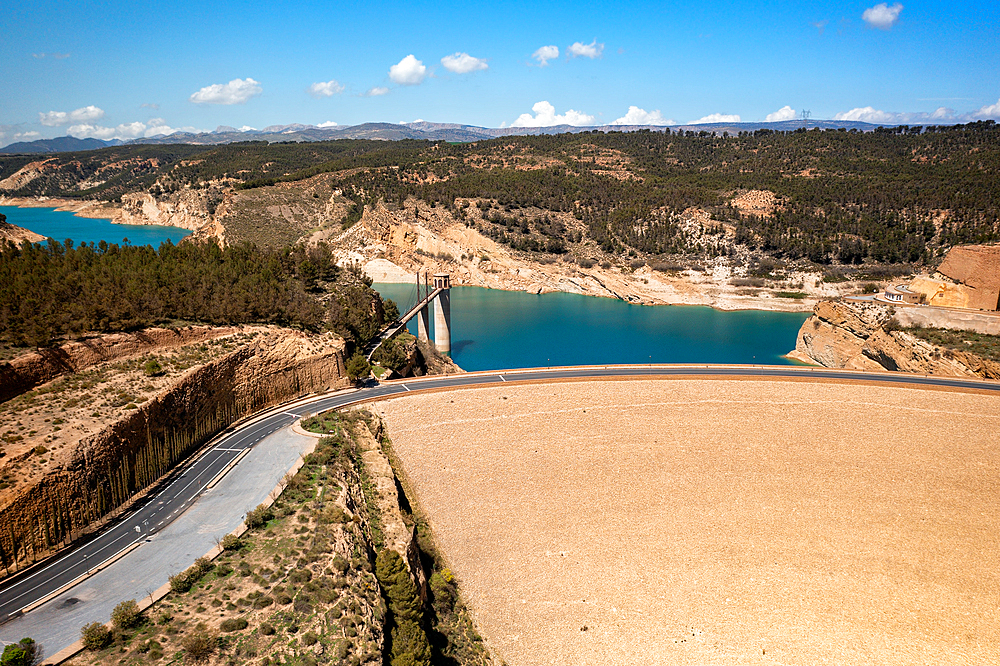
[393,244]
[109,468]
[856,337]
[30,370]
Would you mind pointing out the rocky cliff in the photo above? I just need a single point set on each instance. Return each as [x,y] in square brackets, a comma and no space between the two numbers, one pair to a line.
[109,468]
[865,337]
[30,370]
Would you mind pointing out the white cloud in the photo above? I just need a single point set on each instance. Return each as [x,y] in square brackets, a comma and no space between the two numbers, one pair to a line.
[85,114]
[377,91]
[942,115]
[154,107]
[325,89]
[867,114]
[328,123]
[57,56]
[408,72]
[27,135]
[637,116]
[134,130]
[125,131]
[717,118]
[237,91]
[784,113]
[991,111]
[544,54]
[591,50]
[882,16]
[463,63]
[545,116]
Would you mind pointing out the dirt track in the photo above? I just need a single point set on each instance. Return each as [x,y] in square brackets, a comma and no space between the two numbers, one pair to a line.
[715,522]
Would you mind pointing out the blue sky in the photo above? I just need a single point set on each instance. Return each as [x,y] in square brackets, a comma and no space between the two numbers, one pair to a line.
[126,69]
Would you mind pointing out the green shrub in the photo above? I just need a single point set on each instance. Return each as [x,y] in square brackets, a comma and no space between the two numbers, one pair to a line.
[231,542]
[392,573]
[409,645]
[309,638]
[262,602]
[181,582]
[358,367]
[202,566]
[258,517]
[152,368]
[126,615]
[266,629]
[300,576]
[22,653]
[234,624]
[443,589]
[95,636]
[340,564]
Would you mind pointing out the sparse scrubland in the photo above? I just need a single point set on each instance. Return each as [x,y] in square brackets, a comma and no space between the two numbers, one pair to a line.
[312,581]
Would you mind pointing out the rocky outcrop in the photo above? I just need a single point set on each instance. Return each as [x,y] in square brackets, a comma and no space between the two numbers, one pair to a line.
[187,209]
[16,234]
[863,337]
[110,468]
[35,368]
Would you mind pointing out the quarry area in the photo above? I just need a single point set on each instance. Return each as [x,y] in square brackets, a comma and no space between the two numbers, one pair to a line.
[624,522]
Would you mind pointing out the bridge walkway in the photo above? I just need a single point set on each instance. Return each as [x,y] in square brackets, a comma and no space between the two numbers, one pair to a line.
[395,327]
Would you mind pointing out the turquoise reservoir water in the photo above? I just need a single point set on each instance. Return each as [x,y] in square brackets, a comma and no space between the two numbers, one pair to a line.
[62,225]
[493,329]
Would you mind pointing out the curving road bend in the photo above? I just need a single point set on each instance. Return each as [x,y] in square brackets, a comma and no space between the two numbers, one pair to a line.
[32,588]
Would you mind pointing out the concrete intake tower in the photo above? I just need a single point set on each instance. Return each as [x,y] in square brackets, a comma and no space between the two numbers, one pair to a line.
[442,313]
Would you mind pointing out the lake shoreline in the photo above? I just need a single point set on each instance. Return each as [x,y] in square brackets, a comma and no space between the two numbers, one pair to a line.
[704,299]
[84,223]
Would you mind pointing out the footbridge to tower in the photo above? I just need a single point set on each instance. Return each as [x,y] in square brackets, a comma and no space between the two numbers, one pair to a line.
[438,298]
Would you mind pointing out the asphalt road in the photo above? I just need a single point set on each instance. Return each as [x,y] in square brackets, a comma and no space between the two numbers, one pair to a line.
[178,493]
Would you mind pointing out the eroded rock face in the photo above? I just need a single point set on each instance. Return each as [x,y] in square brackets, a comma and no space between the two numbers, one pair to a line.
[111,467]
[30,370]
[855,337]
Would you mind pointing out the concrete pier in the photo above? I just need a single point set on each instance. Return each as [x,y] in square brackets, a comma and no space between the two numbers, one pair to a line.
[442,313]
[423,324]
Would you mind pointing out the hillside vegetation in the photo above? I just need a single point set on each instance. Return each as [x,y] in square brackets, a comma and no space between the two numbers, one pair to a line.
[56,290]
[897,195]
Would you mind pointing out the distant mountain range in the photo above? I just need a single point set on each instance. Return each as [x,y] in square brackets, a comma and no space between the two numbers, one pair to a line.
[390,132]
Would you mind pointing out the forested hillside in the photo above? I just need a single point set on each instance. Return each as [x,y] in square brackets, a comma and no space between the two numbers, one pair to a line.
[54,290]
[895,195]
